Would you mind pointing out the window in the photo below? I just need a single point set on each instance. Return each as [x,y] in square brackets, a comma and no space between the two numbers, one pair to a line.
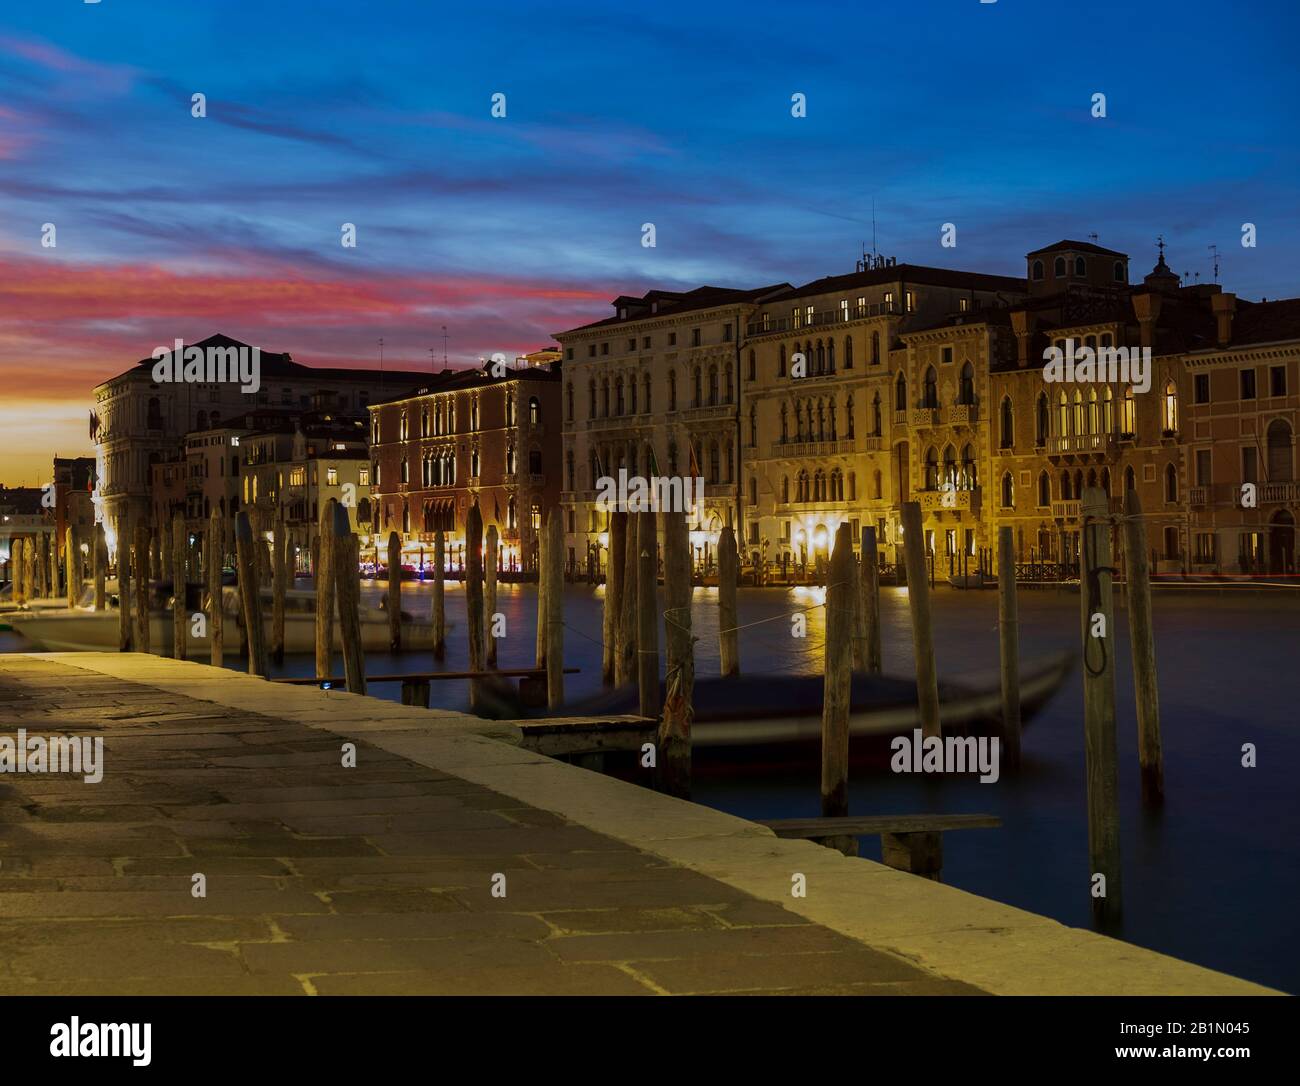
[1036,270]
[695,337]
[1249,464]
[1277,380]
[1279,452]
[967,393]
[1205,551]
[1058,267]
[911,300]
[753,364]
[753,490]
[1118,271]
[672,339]
[297,476]
[1008,424]
[1044,490]
[875,348]
[780,361]
[604,348]
[645,343]
[631,343]
[1080,267]
[568,392]
[363,477]
[848,352]
[1170,413]
[931,398]
[947,356]
[331,477]
[1128,416]
[1201,388]
[1007,491]
[900,393]
[1202,467]
[1247,384]
[1171,483]
[963,304]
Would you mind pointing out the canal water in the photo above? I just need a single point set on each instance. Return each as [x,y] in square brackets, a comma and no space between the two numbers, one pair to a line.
[1213,878]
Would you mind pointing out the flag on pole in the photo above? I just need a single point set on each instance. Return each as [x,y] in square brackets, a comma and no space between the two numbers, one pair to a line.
[695,464]
[654,463]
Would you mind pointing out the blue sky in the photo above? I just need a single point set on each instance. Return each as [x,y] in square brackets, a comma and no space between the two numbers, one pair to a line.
[508,229]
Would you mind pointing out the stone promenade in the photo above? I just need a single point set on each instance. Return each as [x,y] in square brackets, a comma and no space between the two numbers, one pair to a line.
[323,879]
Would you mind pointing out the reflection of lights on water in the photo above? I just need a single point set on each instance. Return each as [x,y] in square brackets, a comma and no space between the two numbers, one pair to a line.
[813,594]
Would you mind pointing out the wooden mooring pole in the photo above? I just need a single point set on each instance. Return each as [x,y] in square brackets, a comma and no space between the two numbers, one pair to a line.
[625,670]
[615,561]
[841,589]
[141,589]
[323,575]
[71,566]
[554,609]
[250,597]
[347,590]
[1141,632]
[180,614]
[647,604]
[280,578]
[674,753]
[867,646]
[123,562]
[214,560]
[439,595]
[490,560]
[98,560]
[473,600]
[16,571]
[918,598]
[1009,647]
[728,620]
[1097,613]
[394,592]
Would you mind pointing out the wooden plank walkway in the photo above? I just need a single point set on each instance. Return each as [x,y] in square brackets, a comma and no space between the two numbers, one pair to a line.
[379,878]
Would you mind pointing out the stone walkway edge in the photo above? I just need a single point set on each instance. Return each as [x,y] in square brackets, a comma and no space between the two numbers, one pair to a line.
[949,932]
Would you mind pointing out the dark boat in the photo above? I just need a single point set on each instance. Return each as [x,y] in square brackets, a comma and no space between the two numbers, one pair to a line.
[767,710]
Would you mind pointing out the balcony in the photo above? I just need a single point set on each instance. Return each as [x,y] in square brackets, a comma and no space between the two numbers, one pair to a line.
[1278,492]
[710,411]
[900,418]
[790,450]
[1062,444]
[1066,510]
[871,443]
[818,320]
[949,501]
[924,416]
[963,414]
[1198,495]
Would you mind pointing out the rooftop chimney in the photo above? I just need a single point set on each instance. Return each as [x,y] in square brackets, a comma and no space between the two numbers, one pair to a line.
[1225,305]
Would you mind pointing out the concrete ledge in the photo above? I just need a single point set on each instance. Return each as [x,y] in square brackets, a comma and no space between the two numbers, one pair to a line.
[944,930]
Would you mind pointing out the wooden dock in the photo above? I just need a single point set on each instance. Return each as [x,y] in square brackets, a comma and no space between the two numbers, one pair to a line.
[453,857]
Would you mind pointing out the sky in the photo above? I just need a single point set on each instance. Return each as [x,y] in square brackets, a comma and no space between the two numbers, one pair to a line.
[508,229]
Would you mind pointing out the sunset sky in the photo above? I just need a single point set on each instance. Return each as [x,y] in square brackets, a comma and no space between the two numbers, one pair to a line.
[507,230]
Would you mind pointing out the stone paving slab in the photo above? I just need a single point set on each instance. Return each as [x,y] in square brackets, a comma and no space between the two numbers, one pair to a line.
[323,879]
[378,879]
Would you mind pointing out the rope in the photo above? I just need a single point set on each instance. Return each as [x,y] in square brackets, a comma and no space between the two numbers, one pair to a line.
[1094,593]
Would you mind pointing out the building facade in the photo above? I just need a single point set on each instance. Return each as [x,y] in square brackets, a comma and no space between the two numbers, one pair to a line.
[461,437]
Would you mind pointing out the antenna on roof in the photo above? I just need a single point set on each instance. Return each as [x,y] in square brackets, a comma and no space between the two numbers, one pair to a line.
[1215,250]
[381,361]
[444,346]
[1094,237]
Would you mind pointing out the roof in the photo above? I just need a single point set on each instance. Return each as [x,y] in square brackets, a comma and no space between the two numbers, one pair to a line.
[1077,247]
[282,366]
[911,273]
[673,303]
[1266,322]
[450,380]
